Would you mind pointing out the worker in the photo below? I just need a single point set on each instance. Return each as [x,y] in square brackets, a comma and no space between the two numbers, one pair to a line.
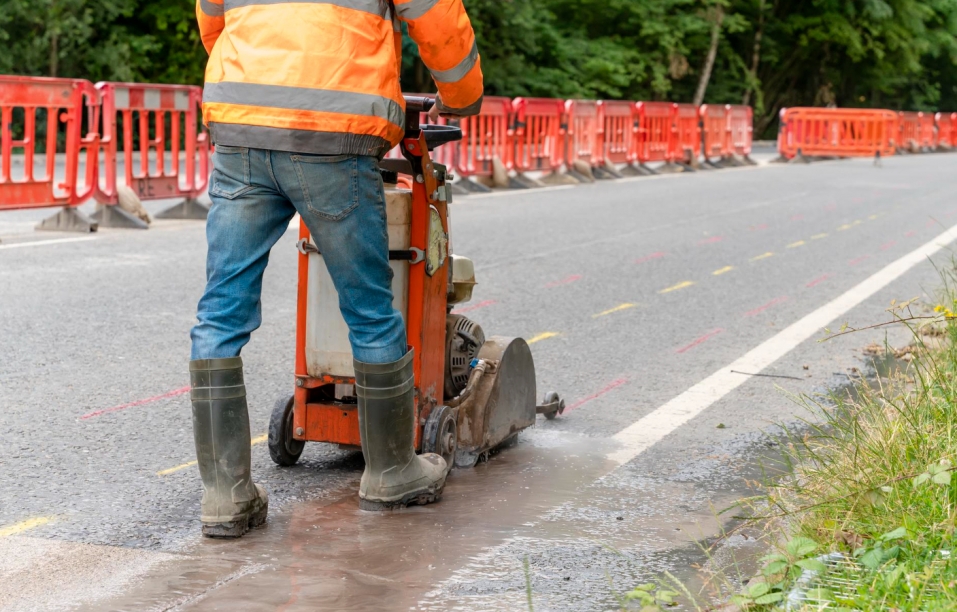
[302,100]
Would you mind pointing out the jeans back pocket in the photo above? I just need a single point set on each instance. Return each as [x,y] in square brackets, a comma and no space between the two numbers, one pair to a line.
[329,183]
[230,177]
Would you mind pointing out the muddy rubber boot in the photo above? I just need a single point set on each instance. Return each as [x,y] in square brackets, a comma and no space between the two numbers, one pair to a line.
[395,476]
[232,504]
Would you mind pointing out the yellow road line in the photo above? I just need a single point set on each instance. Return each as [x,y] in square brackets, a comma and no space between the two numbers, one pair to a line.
[721,271]
[542,336]
[183,466]
[818,236]
[680,285]
[763,256]
[872,217]
[617,308]
[794,245]
[26,525]
[846,226]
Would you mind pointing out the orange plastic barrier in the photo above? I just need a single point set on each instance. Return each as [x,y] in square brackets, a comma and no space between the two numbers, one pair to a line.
[909,137]
[946,129]
[740,129]
[484,137]
[688,133]
[619,129]
[62,105]
[538,134]
[656,131]
[583,132]
[840,132]
[145,118]
[714,128]
[927,135]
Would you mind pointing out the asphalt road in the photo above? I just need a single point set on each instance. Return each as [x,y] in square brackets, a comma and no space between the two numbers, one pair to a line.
[632,291]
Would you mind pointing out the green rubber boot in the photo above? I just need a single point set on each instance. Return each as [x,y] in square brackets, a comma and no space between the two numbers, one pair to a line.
[395,476]
[232,504]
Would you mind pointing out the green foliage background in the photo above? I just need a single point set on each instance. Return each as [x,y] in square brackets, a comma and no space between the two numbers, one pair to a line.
[899,54]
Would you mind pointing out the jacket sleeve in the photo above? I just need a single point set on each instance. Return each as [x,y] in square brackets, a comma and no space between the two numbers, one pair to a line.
[210,15]
[443,32]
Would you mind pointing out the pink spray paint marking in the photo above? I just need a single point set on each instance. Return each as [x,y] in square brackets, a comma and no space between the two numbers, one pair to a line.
[609,387]
[149,400]
[818,280]
[930,223]
[760,309]
[911,234]
[702,339]
[830,207]
[647,258]
[564,281]
[854,262]
[888,245]
[798,217]
[474,307]
[711,240]
[755,228]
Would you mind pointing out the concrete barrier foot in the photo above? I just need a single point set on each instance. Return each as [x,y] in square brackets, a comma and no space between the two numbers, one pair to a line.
[190,208]
[68,220]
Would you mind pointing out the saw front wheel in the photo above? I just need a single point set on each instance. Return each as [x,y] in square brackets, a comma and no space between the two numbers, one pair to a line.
[283,448]
[441,434]
[552,406]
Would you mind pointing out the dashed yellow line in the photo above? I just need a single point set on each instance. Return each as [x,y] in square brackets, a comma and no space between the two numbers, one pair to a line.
[183,466]
[818,236]
[26,525]
[846,226]
[721,271]
[680,285]
[542,336]
[763,256]
[617,308]
[795,245]
[873,217]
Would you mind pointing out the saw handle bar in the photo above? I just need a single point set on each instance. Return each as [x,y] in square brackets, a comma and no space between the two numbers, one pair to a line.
[435,135]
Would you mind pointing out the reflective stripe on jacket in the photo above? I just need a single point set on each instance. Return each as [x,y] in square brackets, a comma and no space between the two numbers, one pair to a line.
[322,76]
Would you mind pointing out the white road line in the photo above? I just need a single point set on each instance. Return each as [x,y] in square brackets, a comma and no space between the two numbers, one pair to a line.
[20,245]
[647,431]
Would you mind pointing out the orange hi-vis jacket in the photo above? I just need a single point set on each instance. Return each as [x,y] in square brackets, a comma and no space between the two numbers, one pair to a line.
[322,76]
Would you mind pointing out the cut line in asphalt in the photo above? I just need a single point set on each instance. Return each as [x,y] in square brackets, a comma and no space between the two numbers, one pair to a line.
[34,243]
[606,389]
[148,400]
[652,428]
[711,334]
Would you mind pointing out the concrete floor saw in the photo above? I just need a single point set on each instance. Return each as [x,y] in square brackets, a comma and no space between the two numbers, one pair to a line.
[472,393]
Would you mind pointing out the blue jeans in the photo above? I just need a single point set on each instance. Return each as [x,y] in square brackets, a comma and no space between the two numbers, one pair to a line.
[340,198]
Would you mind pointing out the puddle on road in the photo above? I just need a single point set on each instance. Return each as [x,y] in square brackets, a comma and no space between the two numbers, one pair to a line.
[330,555]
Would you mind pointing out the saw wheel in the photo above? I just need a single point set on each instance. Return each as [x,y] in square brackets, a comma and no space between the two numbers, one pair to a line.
[441,434]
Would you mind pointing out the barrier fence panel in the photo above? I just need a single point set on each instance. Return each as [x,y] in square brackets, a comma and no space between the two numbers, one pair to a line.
[538,134]
[619,128]
[909,133]
[714,129]
[836,132]
[946,128]
[656,133]
[43,118]
[162,124]
[485,137]
[927,135]
[687,141]
[583,133]
[740,129]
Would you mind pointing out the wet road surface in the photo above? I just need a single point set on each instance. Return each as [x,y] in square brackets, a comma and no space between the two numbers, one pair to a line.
[635,294]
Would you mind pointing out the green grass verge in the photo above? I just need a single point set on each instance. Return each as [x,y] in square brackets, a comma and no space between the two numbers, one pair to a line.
[869,513]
